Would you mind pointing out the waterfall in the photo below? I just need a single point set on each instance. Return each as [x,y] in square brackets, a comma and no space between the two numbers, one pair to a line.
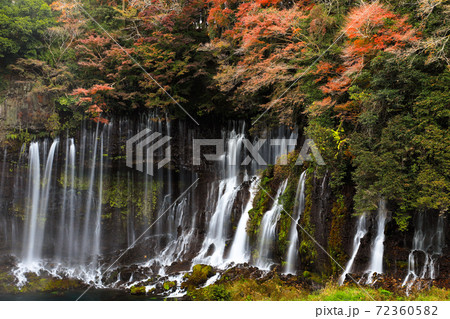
[218,227]
[83,206]
[71,244]
[218,233]
[38,203]
[86,243]
[361,231]
[292,254]
[428,242]
[67,213]
[62,223]
[376,257]
[217,230]
[240,249]
[267,230]
[70,241]
[98,215]
[34,184]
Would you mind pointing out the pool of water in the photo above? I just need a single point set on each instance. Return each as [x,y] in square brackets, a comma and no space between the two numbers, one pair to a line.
[91,295]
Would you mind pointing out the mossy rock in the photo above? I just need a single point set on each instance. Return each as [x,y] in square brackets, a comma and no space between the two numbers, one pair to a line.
[211,293]
[169,285]
[199,275]
[135,290]
[7,283]
[36,283]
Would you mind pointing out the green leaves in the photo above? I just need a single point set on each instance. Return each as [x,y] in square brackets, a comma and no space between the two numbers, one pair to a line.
[22,26]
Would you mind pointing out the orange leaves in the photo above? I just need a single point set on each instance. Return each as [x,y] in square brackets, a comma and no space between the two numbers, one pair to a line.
[267,43]
[323,69]
[99,119]
[94,100]
[336,85]
[372,28]
[268,2]
[259,26]
[99,88]
[95,41]
[318,107]
[66,8]
[94,109]
[80,91]
[220,18]
[93,90]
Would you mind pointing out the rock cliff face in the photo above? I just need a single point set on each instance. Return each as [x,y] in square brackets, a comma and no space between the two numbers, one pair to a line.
[127,202]
[397,244]
[22,108]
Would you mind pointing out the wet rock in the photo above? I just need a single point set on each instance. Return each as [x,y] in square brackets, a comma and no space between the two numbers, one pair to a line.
[177,267]
[8,261]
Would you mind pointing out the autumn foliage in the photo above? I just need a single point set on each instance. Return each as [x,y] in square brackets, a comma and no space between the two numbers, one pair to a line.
[369,30]
[367,81]
[94,100]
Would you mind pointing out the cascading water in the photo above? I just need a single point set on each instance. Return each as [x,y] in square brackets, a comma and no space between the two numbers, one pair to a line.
[240,249]
[67,219]
[218,230]
[428,242]
[87,228]
[267,230]
[214,244]
[292,254]
[78,215]
[376,257]
[38,204]
[34,185]
[71,247]
[98,215]
[361,231]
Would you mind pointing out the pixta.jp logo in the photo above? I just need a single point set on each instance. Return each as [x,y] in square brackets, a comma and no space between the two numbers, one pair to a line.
[151,143]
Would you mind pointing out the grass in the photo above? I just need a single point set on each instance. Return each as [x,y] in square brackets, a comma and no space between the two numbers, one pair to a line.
[276,290]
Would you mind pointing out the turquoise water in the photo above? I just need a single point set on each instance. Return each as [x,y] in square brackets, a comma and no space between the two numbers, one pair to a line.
[91,295]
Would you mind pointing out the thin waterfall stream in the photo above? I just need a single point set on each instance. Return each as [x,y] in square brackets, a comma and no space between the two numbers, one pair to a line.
[377,252]
[292,254]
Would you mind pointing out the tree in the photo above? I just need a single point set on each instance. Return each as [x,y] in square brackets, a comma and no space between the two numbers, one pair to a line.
[371,29]
[23,24]
[263,52]
[93,100]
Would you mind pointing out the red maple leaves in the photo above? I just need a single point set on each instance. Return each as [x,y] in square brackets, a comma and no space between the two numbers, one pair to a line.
[94,100]
[370,29]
